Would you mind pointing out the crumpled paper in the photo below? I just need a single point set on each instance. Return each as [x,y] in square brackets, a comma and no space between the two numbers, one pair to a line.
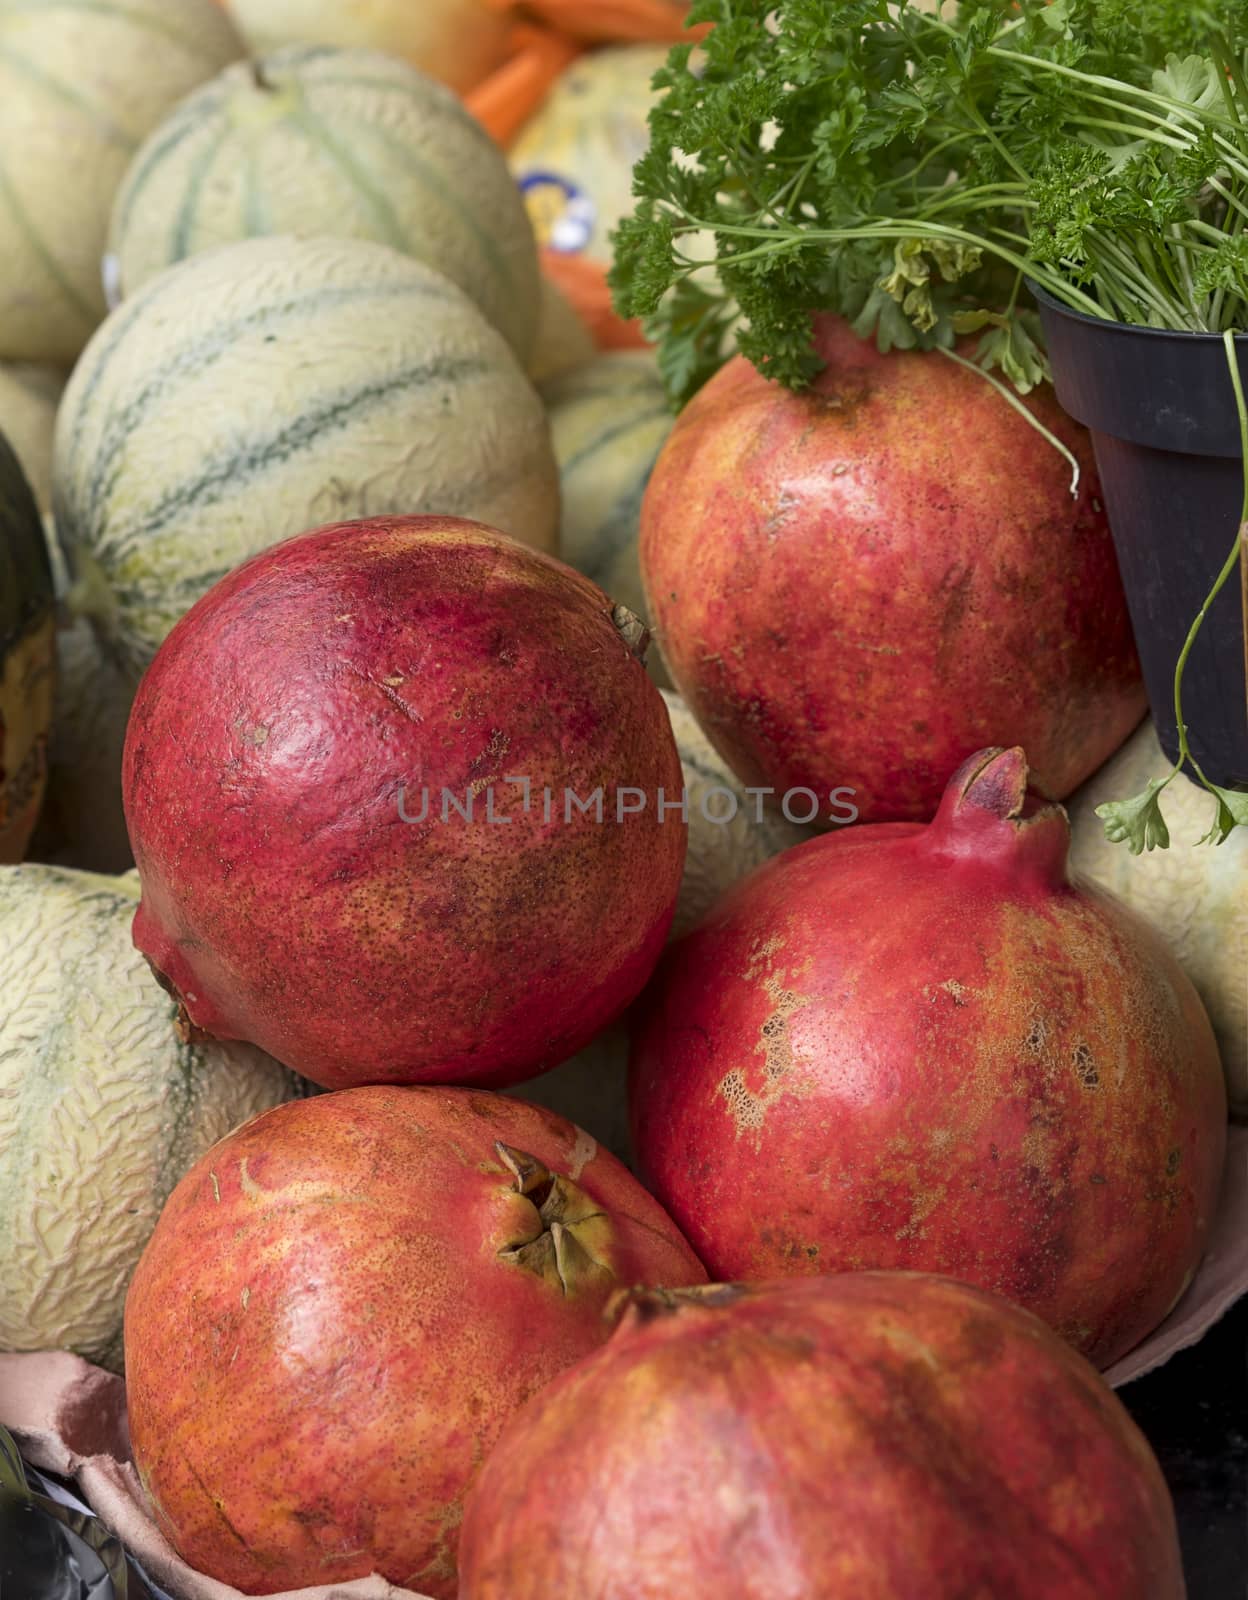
[69,1418]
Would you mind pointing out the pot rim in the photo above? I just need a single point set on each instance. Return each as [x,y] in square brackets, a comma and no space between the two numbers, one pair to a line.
[1112,324]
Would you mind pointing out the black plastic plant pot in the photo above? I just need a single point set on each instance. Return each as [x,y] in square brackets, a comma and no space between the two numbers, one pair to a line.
[1161,411]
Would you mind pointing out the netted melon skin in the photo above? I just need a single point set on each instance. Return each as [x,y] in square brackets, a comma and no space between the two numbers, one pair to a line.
[102,1106]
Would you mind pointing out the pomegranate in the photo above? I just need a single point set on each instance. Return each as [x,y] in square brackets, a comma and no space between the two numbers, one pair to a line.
[927,1047]
[392,788]
[861,585]
[341,1304]
[877,1436]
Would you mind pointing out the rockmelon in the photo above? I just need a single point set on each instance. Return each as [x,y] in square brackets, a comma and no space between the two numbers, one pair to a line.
[1196,895]
[457,41]
[271,386]
[353,143]
[82,83]
[592,1089]
[27,657]
[563,341]
[575,158]
[609,420]
[102,1106]
[29,395]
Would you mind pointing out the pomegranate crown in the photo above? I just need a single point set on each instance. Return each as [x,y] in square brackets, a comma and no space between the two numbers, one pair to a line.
[991,814]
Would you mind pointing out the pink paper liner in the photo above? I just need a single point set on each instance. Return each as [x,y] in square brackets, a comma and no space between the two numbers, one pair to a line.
[69,1418]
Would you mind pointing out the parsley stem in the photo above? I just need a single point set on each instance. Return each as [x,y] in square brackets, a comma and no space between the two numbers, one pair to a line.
[1013,398]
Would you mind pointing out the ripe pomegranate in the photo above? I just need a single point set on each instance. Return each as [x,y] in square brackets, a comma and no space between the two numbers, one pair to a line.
[863,584]
[360,782]
[877,1436]
[927,1047]
[340,1306]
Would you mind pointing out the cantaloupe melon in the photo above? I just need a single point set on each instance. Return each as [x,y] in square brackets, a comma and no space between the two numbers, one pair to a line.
[563,340]
[592,1088]
[1195,895]
[102,1106]
[29,395]
[609,420]
[265,388]
[82,83]
[27,657]
[575,158]
[457,41]
[353,143]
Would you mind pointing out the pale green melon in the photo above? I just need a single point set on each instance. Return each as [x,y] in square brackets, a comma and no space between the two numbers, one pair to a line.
[102,1106]
[589,133]
[1196,895]
[29,395]
[563,341]
[353,143]
[592,1088]
[266,388]
[82,83]
[608,419]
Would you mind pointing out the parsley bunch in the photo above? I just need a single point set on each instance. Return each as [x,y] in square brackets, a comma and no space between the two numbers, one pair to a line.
[912,172]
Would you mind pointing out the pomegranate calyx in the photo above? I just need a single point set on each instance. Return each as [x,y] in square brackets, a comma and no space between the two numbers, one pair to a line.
[990,813]
[639,1307]
[567,1234]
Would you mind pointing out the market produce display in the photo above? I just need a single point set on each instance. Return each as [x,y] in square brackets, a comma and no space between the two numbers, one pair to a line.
[921,1047]
[613,604]
[29,394]
[846,593]
[81,85]
[340,1307]
[456,41]
[27,656]
[327,378]
[348,143]
[609,419]
[1196,896]
[102,1106]
[311,771]
[876,1435]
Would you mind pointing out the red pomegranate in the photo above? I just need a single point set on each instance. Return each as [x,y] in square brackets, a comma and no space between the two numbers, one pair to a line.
[861,585]
[341,1305]
[877,1436]
[926,1047]
[382,784]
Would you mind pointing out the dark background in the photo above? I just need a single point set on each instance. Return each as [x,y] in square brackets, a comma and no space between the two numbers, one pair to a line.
[1194,1411]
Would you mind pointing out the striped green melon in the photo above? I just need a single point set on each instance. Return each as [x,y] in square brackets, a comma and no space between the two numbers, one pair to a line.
[29,395]
[102,1106]
[82,84]
[312,140]
[270,386]
[27,657]
[1195,895]
[563,341]
[590,133]
[592,1088]
[456,41]
[609,420]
